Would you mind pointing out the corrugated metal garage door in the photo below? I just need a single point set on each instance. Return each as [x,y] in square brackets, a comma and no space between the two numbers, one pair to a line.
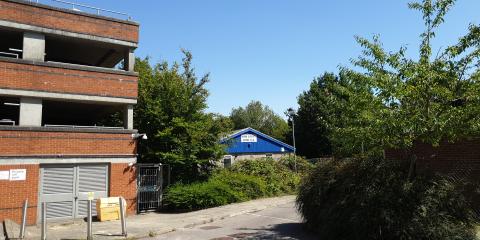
[58,190]
[65,188]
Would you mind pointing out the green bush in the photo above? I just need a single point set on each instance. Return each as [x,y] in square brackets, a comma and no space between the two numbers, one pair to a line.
[224,187]
[280,179]
[246,180]
[303,166]
[372,199]
[199,195]
[249,187]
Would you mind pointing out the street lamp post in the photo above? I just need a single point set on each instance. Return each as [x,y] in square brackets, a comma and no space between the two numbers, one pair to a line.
[291,113]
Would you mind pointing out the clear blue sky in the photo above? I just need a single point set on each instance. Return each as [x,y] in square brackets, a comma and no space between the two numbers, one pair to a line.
[270,50]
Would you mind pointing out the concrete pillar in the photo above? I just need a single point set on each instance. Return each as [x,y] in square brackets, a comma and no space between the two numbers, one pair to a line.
[33,46]
[30,112]
[128,117]
[129,61]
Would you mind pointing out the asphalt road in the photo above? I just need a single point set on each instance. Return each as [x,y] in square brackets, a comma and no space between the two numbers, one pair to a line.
[282,222]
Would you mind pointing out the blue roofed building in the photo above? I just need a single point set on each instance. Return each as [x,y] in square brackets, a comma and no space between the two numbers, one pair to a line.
[249,143]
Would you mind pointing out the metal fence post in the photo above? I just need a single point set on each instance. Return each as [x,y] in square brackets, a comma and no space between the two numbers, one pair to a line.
[123,221]
[24,219]
[168,177]
[160,186]
[44,221]
[89,220]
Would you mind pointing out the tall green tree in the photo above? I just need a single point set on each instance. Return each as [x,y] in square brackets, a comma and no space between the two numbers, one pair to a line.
[313,119]
[391,100]
[333,117]
[431,98]
[171,111]
[260,117]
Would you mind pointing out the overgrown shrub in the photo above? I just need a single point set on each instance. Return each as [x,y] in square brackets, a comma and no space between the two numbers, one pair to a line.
[224,187]
[372,199]
[279,178]
[303,166]
[199,195]
[249,187]
[246,180]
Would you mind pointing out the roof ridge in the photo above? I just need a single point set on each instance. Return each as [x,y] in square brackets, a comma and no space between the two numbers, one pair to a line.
[235,134]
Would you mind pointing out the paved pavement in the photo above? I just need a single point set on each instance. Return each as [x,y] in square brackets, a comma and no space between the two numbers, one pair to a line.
[152,224]
[280,222]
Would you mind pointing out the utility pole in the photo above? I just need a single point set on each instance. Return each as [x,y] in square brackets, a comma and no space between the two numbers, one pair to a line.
[291,113]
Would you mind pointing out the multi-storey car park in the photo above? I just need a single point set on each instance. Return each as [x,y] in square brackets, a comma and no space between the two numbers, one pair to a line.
[63,75]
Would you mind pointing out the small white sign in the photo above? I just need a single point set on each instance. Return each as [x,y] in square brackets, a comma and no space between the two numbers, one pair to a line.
[4,175]
[18,174]
[248,138]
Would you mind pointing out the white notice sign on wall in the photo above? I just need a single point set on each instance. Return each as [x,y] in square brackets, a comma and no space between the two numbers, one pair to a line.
[248,138]
[18,174]
[4,175]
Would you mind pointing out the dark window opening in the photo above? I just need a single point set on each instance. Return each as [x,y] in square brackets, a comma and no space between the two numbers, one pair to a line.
[11,44]
[69,114]
[9,111]
[227,161]
[83,52]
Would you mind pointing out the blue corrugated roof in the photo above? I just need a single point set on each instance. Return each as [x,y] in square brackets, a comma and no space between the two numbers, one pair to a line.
[264,143]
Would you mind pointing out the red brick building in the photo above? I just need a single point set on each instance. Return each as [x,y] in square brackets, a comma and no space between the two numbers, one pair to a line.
[62,82]
[460,159]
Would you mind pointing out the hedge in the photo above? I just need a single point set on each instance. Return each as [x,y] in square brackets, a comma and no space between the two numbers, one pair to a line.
[279,177]
[246,180]
[373,199]
[222,188]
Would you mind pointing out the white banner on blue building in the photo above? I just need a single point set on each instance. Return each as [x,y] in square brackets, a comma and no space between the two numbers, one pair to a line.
[248,138]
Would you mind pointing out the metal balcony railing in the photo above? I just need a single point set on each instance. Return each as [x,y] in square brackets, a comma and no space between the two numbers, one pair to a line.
[78,7]
[7,54]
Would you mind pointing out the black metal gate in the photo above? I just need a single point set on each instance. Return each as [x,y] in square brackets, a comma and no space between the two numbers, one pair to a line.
[151,180]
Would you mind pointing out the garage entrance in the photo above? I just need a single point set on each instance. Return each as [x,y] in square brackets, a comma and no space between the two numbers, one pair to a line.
[65,188]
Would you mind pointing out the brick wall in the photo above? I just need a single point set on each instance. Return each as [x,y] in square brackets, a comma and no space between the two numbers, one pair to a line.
[460,159]
[60,80]
[252,156]
[51,18]
[27,143]
[123,183]
[13,193]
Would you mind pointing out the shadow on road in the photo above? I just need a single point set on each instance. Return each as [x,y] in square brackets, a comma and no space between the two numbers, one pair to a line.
[288,231]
